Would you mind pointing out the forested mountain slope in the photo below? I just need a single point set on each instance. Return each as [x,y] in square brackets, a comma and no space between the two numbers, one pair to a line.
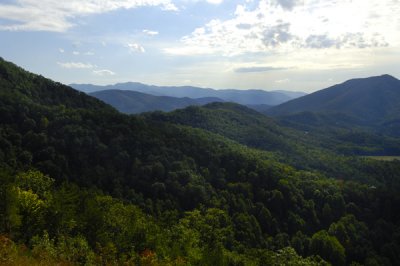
[304,148]
[231,120]
[82,183]
[368,99]
[369,103]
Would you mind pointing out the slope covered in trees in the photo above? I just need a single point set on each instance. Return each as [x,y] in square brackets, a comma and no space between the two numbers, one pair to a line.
[369,99]
[82,183]
[369,103]
[300,146]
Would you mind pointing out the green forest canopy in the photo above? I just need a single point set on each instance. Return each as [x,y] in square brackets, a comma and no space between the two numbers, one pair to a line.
[84,184]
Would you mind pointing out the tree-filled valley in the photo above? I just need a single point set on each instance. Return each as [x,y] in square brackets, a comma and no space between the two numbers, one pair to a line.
[81,183]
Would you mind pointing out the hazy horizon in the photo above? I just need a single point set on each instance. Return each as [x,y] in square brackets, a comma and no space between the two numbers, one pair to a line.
[270,90]
[295,45]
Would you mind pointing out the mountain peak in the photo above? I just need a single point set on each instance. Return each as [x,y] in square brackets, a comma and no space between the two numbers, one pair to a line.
[380,78]
[369,99]
[387,76]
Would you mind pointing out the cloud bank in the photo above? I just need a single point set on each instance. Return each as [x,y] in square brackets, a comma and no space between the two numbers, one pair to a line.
[135,48]
[103,72]
[257,69]
[58,16]
[78,65]
[284,26]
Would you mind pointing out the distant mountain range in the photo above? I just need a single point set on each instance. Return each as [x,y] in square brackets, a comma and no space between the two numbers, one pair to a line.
[133,102]
[245,97]
[372,102]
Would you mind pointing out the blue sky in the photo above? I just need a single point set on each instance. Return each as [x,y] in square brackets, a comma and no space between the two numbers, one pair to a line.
[301,45]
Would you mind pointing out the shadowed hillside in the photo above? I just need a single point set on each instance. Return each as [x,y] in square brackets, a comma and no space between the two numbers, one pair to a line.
[369,102]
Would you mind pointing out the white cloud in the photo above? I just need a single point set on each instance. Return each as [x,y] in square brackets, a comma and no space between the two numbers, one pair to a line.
[280,81]
[103,72]
[150,32]
[297,26]
[215,2]
[288,4]
[255,69]
[78,65]
[61,50]
[58,16]
[75,53]
[137,48]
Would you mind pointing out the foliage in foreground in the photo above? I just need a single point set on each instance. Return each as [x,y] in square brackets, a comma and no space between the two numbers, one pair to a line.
[67,225]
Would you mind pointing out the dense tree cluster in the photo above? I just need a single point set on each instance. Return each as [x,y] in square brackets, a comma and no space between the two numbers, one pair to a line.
[324,145]
[83,184]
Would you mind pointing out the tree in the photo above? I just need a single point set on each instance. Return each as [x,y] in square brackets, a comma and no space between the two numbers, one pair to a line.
[289,257]
[353,235]
[328,247]
[33,198]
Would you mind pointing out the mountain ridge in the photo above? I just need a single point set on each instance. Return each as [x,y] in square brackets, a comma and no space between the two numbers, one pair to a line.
[343,94]
[133,102]
[372,102]
[245,97]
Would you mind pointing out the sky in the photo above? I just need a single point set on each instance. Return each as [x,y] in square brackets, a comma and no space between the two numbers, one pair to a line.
[298,45]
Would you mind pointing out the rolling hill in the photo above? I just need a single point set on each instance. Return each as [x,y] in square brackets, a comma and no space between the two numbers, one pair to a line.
[245,97]
[132,102]
[300,146]
[234,121]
